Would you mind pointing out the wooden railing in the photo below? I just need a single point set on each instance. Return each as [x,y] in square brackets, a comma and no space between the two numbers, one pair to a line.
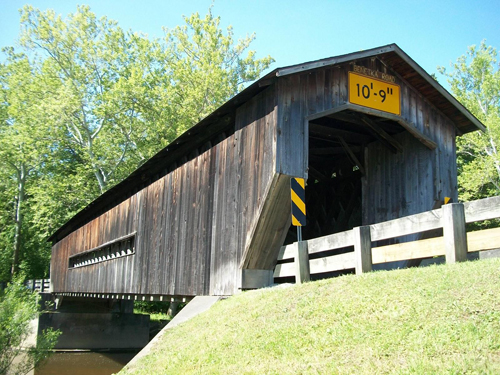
[39,285]
[454,244]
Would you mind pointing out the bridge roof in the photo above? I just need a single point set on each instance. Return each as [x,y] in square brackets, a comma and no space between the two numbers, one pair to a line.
[222,119]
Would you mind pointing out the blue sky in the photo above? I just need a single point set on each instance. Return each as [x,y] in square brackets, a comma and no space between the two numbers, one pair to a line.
[432,32]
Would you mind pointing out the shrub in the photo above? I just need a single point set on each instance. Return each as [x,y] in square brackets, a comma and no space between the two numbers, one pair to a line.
[18,307]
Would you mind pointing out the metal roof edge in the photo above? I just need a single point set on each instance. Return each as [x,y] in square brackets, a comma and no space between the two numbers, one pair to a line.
[292,69]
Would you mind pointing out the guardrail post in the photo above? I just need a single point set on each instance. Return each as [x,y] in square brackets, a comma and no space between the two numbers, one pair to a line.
[302,270]
[454,234]
[362,249]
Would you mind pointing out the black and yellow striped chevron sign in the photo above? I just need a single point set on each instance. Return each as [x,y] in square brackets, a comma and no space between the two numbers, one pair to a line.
[298,188]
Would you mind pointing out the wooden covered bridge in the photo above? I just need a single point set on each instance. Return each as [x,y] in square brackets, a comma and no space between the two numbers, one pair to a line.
[371,131]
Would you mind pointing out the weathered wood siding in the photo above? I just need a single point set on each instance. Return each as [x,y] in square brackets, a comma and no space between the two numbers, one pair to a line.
[396,184]
[244,170]
[299,96]
[119,273]
[191,225]
[410,182]
[226,206]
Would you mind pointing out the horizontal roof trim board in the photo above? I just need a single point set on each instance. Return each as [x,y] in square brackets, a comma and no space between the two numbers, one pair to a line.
[333,60]
[221,120]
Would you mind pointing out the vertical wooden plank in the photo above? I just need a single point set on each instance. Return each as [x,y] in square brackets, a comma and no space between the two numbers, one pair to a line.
[450,160]
[139,244]
[362,249]
[443,167]
[157,208]
[320,86]
[203,241]
[181,217]
[420,116]
[365,187]
[334,82]
[163,267]
[454,233]
[227,252]
[225,260]
[302,269]
[145,248]
[218,218]
[208,217]
[379,192]
[194,228]
[246,162]
[399,183]
[310,99]
[343,82]
[452,165]
[386,158]
[129,277]
[175,185]
[292,144]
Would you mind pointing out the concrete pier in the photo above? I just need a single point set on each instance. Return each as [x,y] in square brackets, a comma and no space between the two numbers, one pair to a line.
[92,323]
[97,330]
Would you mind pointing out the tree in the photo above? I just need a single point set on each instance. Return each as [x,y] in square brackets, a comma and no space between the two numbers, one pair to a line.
[94,70]
[23,138]
[119,97]
[207,67]
[18,307]
[475,82]
[88,103]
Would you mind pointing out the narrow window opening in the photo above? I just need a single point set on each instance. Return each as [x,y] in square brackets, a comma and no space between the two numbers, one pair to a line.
[118,248]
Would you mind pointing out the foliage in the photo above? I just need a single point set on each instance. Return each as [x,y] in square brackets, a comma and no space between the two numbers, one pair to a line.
[118,97]
[156,310]
[25,146]
[151,307]
[87,102]
[94,69]
[433,320]
[18,307]
[207,67]
[475,82]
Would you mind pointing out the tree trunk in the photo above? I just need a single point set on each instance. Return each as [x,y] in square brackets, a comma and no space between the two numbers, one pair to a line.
[21,181]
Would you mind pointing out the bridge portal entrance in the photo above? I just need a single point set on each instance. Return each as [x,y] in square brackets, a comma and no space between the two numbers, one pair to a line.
[338,164]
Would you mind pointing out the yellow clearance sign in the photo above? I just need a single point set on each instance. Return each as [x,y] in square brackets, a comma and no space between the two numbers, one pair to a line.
[374,93]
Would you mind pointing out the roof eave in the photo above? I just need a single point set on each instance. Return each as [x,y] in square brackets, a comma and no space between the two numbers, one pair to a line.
[439,88]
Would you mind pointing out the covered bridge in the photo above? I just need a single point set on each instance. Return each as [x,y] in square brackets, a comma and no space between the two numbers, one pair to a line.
[371,131]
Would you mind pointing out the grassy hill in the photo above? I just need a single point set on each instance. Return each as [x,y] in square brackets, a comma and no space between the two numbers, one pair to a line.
[440,319]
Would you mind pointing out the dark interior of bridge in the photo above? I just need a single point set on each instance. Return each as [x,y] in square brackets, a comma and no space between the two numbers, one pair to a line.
[336,166]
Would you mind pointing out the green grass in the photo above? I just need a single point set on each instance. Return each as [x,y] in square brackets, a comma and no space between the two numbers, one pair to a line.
[157,311]
[434,320]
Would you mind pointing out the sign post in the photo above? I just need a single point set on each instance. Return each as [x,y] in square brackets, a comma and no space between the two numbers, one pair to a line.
[298,193]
